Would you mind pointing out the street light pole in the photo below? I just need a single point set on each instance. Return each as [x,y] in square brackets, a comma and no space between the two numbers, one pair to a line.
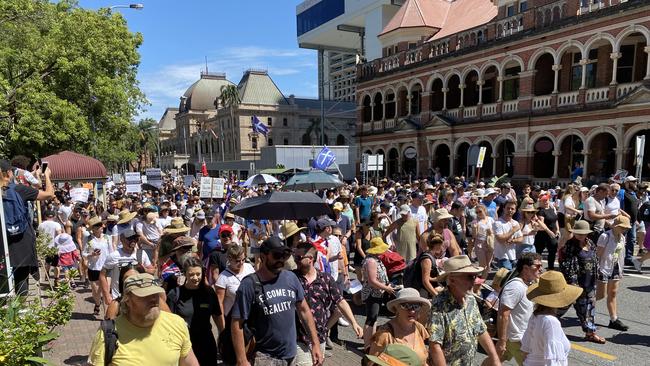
[129,6]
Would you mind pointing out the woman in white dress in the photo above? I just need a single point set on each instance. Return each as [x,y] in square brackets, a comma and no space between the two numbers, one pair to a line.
[544,342]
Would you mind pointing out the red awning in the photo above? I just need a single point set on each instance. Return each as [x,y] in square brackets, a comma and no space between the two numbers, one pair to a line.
[68,166]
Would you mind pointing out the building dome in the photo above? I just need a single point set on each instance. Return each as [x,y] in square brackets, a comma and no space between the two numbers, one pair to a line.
[70,166]
[201,95]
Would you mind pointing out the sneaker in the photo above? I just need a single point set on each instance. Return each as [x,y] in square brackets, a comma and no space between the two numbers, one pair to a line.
[636,263]
[618,325]
[343,322]
[328,344]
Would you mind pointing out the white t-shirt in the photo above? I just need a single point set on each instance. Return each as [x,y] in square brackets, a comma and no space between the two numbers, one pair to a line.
[545,342]
[51,228]
[230,282]
[503,250]
[64,213]
[513,296]
[568,202]
[420,213]
[334,245]
[613,206]
[236,230]
[113,263]
[614,252]
[164,221]
[96,262]
[592,205]
[150,231]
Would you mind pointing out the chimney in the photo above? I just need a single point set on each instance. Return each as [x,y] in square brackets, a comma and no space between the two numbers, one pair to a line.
[292,99]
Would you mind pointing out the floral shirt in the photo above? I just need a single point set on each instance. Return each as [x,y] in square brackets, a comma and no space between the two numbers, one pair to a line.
[456,328]
[322,295]
[382,277]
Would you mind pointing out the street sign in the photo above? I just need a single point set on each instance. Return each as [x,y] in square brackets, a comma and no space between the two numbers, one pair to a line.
[133,182]
[481,157]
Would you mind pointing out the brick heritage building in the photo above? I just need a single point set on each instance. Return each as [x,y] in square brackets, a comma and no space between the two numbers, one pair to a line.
[541,84]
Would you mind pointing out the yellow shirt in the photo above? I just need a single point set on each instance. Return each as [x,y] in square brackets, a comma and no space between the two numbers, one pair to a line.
[161,345]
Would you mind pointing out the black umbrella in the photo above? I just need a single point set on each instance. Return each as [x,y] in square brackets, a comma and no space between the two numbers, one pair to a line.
[282,206]
[149,187]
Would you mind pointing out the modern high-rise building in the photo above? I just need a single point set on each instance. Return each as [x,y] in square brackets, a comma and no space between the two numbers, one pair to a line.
[344,33]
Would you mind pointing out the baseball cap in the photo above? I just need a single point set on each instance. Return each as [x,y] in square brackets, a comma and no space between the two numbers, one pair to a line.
[324,222]
[630,178]
[385,205]
[273,243]
[200,215]
[142,285]
[338,206]
[417,194]
[225,228]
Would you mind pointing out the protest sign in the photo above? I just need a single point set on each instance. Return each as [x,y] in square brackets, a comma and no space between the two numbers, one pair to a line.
[154,177]
[133,182]
[79,194]
[205,189]
[218,185]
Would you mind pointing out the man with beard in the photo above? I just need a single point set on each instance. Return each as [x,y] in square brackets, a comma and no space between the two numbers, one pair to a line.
[146,335]
[268,301]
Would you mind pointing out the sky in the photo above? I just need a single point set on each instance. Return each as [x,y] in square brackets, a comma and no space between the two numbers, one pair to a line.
[233,35]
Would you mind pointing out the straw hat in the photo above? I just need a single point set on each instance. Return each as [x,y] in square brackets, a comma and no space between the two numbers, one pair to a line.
[377,246]
[338,206]
[528,207]
[177,226]
[622,221]
[458,264]
[499,276]
[441,214]
[396,354]
[126,216]
[408,294]
[96,220]
[290,228]
[553,291]
[113,218]
[581,227]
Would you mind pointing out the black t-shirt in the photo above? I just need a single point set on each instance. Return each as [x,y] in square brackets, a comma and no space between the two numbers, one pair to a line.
[631,205]
[218,258]
[457,229]
[22,248]
[550,218]
[195,307]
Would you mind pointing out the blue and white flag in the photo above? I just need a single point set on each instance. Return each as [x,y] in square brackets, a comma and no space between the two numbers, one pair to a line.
[260,127]
[324,159]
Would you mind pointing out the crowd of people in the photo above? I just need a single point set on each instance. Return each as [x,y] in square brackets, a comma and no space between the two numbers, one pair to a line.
[455,264]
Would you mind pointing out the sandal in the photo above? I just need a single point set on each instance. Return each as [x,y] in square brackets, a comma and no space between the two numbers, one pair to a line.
[593,337]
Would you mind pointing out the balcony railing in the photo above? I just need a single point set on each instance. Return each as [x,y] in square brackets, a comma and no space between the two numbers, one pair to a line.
[367,127]
[453,113]
[489,109]
[510,106]
[413,56]
[567,99]
[470,112]
[542,102]
[597,95]
[389,63]
[390,123]
[625,89]
[378,125]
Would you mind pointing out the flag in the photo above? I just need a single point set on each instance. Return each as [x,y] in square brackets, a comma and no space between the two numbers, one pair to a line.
[620,175]
[214,134]
[204,169]
[324,159]
[258,126]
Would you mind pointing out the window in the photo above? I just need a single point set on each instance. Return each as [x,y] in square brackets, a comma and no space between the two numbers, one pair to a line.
[254,143]
[286,141]
[523,6]
[625,69]
[285,122]
[510,10]
[269,121]
[576,70]
[270,143]
[511,84]
[412,45]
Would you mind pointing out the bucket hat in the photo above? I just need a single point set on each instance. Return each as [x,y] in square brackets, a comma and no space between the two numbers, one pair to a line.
[290,229]
[459,264]
[377,246]
[581,227]
[553,291]
[408,295]
[622,221]
[441,214]
[177,226]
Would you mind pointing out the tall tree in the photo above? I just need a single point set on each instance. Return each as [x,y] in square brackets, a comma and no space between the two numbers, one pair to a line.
[229,99]
[67,78]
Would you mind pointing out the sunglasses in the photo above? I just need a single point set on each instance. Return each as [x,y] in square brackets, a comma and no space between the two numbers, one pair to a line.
[143,283]
[537,266]
[127,264]
[280,255]
[410,306]
[298,258]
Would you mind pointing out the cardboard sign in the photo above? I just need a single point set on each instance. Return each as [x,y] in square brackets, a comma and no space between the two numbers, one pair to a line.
[133,182]
[154,177]
[218,185]
[117,178]
[79,194]
[205,189]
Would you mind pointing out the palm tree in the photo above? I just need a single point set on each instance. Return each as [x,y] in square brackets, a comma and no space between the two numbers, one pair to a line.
[229,99]
[147,139]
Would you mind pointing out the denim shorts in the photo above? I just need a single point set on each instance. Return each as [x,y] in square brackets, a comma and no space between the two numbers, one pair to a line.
[615,276]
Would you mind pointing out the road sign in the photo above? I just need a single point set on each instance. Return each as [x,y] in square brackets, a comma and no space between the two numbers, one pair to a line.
[481,157]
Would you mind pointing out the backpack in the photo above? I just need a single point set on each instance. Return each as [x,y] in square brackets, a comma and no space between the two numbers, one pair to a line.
[110,340]
[225,345]
[412,273]
[393,262]
[15,210]
[644,212]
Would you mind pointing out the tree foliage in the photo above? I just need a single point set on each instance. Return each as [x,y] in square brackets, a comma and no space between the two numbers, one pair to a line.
[67,80]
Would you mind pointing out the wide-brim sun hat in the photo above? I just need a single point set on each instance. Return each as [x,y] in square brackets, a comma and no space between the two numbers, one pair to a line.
[459,264]
[552,290]
[408,295]
[377,246]
[622,222]
[126,216]
[528,207]
[95,220]
[581,227]
[499,276]
[177,226]
[396,354]
[290,229]
[441,214]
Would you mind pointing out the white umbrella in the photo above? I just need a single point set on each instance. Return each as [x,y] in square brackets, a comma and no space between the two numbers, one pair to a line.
[260,179]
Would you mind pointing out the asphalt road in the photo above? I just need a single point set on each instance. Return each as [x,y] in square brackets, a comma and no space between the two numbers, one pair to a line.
[631,348]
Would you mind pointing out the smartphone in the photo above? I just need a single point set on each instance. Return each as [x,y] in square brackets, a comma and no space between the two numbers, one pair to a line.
[44,166]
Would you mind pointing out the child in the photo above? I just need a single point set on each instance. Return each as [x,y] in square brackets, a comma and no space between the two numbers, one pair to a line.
[68,256]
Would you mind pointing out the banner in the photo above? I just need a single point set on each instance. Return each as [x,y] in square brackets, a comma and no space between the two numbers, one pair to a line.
[154,177]
[79,194]
[205,189]
[133,182]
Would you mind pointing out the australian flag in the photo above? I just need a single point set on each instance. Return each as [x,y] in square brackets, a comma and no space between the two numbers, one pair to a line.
[324,159]
[259,127]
